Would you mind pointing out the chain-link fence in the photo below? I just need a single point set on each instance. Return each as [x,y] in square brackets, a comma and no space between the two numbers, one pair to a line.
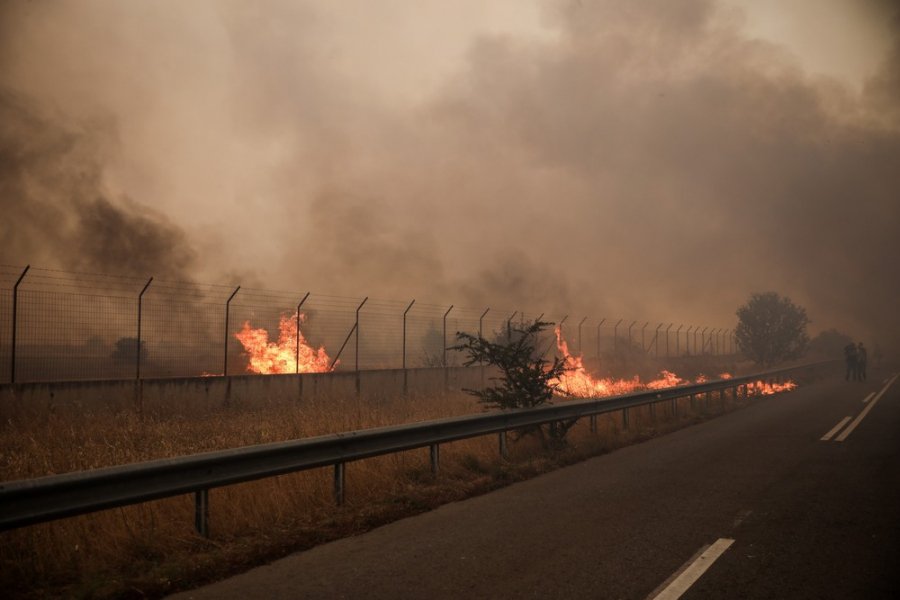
[57,325]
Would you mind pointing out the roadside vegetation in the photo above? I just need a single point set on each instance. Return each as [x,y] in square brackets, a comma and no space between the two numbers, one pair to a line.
[151,549]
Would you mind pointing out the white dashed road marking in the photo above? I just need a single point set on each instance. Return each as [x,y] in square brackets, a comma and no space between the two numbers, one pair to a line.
[836,428]
[862,415]
[692,572]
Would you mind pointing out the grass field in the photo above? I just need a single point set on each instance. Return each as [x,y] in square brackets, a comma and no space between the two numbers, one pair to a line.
[151,549]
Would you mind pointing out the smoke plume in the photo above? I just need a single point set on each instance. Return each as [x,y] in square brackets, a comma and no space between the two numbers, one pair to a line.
[652,160]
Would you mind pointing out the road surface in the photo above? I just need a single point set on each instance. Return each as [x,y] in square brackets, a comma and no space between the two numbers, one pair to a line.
[787,498]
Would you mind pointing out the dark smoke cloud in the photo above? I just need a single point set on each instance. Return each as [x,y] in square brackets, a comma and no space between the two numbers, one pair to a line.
[57,211]
[649,160]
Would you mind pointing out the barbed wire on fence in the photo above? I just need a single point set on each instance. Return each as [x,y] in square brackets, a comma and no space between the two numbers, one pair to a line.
[59,325]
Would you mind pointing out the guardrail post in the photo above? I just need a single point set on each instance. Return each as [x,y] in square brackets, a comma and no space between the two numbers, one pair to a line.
[201,512]
[435,452]
[504,450]
[339,484]
[624,418]
[674,408]
[15,306]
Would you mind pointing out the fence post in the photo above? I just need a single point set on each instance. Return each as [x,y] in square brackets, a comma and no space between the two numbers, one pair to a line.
[678,340]
[137,360]
[445,336]
[404,331]
[297,350]
[405,379]
[580,347]
[643,329]
[509,327]
[687,340]
[616,336]
[358,308]
[444,359]
[227,314]
[481,322]
[633,323]
[15,314]
[598,340]
[667,338]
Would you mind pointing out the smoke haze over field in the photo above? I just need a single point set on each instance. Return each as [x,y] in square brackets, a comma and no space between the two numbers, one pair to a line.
[648,159]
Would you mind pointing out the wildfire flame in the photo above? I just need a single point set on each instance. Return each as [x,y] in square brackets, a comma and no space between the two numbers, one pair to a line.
[576,381]
[767,389]
[268,358]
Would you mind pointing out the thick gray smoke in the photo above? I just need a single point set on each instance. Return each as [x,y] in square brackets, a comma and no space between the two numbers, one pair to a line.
[647,160]
[58,213]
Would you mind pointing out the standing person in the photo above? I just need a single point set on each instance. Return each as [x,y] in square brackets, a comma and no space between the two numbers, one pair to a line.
[861,357]
[851,356]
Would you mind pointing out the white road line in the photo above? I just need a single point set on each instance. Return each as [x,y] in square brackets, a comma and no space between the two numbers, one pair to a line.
[837,428]
[690,574]
[865,411]
[869,397]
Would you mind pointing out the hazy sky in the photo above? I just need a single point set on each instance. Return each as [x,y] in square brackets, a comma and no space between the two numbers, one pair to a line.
[653,159]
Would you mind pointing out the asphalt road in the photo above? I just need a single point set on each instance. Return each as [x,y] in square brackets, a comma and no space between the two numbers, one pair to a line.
[809,518]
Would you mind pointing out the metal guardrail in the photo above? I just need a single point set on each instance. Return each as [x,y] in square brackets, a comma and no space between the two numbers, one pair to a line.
[33,501]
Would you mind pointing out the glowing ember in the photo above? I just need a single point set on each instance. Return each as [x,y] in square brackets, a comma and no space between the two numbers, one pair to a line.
[576,381]
[767,389]
[268,358]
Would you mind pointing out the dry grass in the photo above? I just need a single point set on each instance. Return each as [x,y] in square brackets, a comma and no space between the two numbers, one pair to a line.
[151,549]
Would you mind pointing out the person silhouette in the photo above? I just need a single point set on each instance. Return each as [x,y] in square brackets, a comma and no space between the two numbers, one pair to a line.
[861,358]
[851,356]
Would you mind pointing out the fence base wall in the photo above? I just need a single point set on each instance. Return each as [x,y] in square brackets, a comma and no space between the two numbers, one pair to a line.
[245,391]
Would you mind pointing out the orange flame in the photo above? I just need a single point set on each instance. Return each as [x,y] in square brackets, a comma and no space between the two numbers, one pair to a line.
[268,358]
[767,389]
[576,381]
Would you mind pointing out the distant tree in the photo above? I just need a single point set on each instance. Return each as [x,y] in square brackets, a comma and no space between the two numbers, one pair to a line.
[771,329]
[127,348]
[525,376]
[829,344]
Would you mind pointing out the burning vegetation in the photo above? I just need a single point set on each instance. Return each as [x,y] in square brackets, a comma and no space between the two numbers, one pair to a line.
[576,381]
[290,354]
